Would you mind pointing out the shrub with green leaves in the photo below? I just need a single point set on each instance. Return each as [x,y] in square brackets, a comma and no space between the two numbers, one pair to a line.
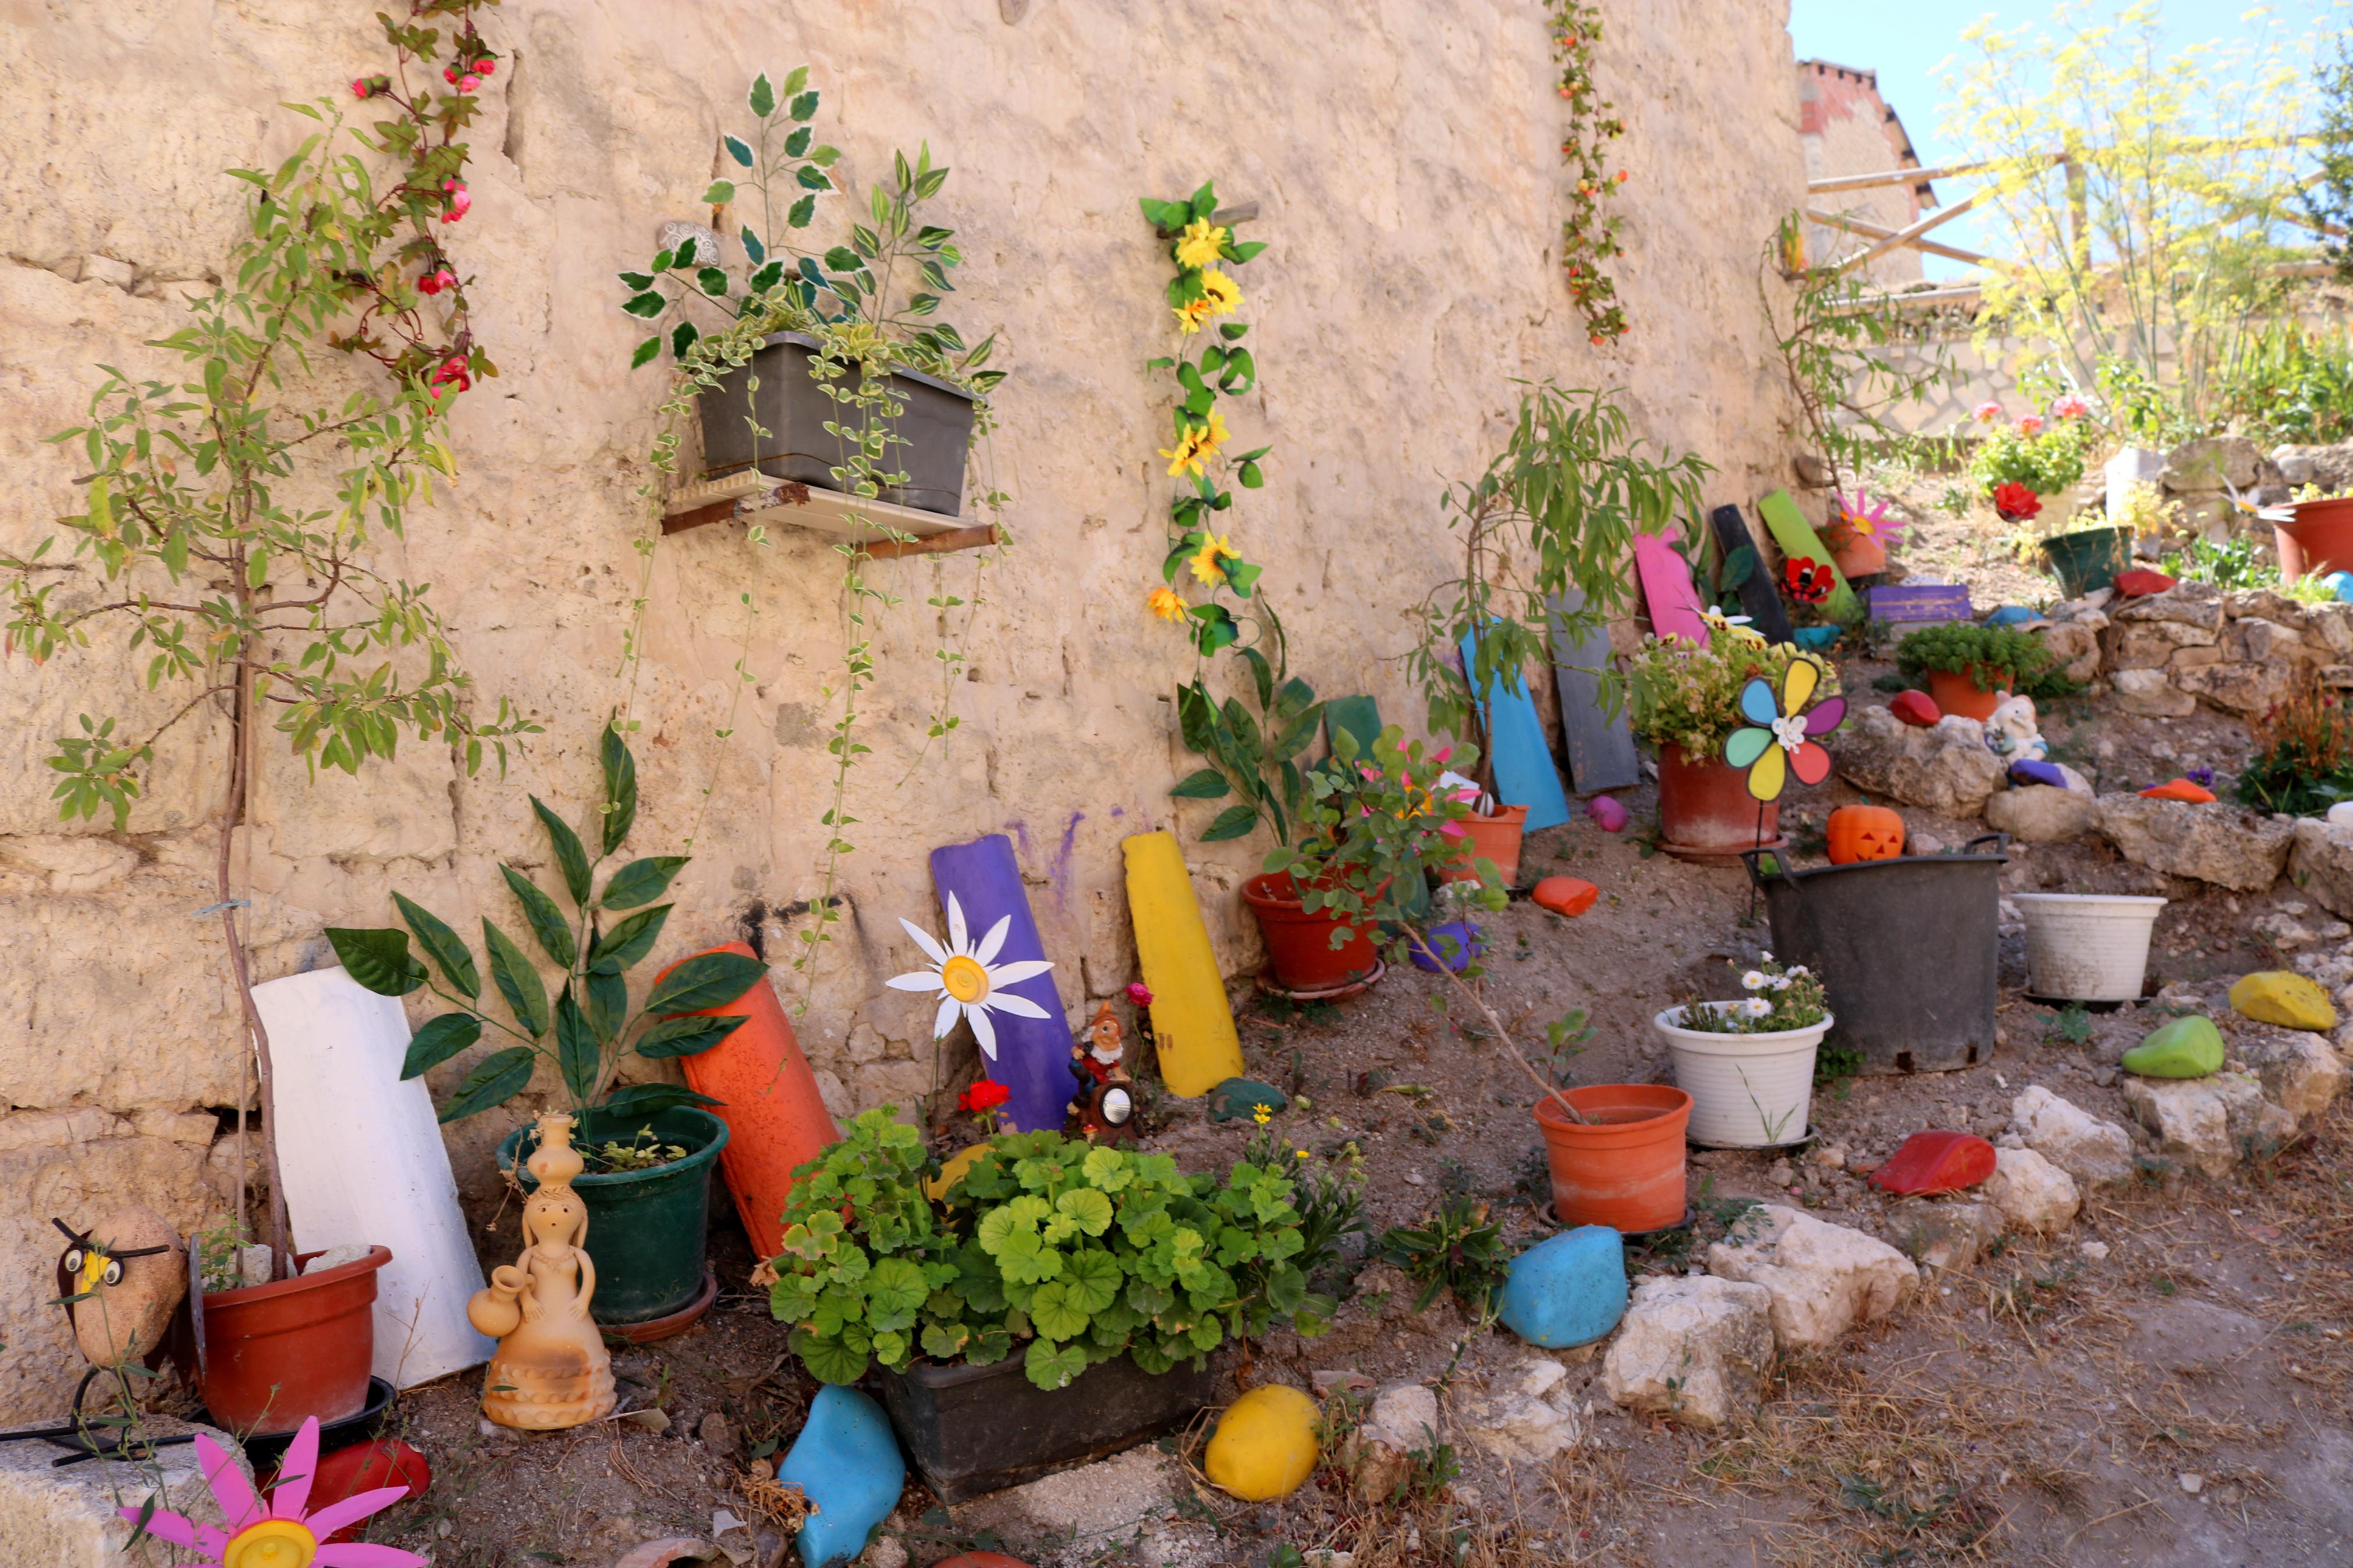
[1994,658]
[1066,1252]
[582,1030]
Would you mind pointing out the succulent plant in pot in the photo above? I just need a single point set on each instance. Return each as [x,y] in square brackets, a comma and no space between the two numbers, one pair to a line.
[1968,667]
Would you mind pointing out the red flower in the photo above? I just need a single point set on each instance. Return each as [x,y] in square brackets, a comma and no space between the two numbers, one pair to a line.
[433,282]
[984,1095]
[485,67]
[454,374]
[458,200]
[1139,992]
[2015,503]
[1808,581]
[359,86]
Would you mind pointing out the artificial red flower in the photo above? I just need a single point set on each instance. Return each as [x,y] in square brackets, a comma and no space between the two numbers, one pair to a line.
[2015,503]
[454,374]
[485,67]
[458,200]
[1139,992]
[435,282]
[359,86]
[983,1095]
[1808,581]
[469,82]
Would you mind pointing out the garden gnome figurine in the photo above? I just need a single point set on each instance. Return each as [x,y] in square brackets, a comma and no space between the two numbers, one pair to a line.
[550,1369]
[1095,1061]
[2014,732]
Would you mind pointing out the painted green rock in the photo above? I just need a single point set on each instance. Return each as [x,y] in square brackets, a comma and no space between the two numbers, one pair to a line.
[1238,1099]
[2187,1048]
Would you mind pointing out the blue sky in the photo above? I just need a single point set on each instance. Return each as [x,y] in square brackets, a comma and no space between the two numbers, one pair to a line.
[1909,42]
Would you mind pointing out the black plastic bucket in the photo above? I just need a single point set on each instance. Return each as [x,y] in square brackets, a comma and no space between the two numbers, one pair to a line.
[1907,950]
[976,1429]
[929,437]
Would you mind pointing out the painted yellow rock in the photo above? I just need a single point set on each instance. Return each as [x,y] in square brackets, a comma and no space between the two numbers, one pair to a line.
[952,1170]
[1265,1447]
[2291,1000]
[1191,1023]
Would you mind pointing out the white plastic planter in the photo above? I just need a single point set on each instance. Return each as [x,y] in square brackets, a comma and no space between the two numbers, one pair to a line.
[1749,1091]
[2086,947]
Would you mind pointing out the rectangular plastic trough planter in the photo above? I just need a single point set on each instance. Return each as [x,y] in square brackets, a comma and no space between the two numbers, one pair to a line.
[976,1429]
[928,439]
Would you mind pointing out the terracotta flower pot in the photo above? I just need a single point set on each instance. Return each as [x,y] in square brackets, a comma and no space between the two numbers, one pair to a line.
[1299,942]
[1705,812]
[1956,691]
[277,1355]
[1857,556]
[2320,539]
[1495,839]
[1623,1166]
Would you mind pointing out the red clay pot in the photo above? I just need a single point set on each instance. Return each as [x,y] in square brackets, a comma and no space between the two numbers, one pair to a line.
[1623,1166]
[1495,837]
[1857,556]
[1705,810]
[1956,691]
[277,1355]
[2319,540]
[1299,942]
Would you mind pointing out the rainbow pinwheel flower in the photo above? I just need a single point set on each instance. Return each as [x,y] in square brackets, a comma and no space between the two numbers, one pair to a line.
[278,1533]
[1866,518]
[1778,741]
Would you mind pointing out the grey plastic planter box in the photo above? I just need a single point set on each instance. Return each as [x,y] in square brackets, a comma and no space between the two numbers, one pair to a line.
[929,437]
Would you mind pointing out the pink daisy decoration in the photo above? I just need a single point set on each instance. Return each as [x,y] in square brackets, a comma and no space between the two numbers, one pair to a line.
[278,1533]
[1866,518]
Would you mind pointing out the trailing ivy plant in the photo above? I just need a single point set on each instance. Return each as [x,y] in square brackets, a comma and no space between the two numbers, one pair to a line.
[582,1032]
[1588,235]
[871,304]
[1061,1251]
[231,515]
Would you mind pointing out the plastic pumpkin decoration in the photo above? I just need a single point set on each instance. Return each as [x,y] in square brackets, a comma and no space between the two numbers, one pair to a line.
[1864,833]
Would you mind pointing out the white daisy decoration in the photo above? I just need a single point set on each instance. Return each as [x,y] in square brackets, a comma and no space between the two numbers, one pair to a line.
[968,986]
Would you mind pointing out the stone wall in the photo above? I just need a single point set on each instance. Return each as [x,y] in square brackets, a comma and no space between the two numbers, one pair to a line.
[1405,161]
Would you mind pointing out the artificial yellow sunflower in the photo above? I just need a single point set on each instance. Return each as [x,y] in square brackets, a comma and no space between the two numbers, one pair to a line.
[1202,243]
[1166,604]
[1209,561]
[1197,445]
[1220,291]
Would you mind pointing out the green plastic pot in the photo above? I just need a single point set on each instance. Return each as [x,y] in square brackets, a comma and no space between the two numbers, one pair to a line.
[645,1227]
[2089,559]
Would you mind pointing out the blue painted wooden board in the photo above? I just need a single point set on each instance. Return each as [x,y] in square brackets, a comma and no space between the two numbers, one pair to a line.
[1522,762]
[1601,744]
[1033,1055]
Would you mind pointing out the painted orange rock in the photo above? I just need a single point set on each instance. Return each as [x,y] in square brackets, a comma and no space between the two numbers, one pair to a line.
[1935,1162]
[2180,789]
[1566,895]
[1917,708]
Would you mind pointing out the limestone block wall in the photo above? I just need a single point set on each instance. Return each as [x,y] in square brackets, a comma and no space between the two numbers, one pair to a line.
[1405,161]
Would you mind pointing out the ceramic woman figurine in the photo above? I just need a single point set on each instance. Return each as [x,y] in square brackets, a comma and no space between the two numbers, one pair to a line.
[2014,732]
[550,1369]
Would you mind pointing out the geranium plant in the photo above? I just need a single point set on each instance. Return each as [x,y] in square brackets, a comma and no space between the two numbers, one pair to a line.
[2045,456]
[1062,1252]
[1691,696]
[582,1032]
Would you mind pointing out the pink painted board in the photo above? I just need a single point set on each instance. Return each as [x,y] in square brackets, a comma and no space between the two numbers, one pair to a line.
[1667,589]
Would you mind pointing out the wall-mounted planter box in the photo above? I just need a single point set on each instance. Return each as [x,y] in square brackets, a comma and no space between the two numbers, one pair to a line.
[751,497]
[929,437]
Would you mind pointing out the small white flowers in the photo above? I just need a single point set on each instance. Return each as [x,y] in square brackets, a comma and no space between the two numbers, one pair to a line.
[967,985]
[1781,983]
[1755,1006]
[1754,980]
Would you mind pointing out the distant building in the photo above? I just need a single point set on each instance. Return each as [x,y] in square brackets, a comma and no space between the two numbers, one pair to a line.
[1848,129]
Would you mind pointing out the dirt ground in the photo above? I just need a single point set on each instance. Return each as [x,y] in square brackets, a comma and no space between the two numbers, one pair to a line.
[2057,1403]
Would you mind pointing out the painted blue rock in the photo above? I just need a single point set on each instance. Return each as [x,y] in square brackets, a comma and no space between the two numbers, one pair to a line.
[847,1462]
[2026,770]
[1816,638]
[2339,584]
[1568,1290]
[1456,941]
[2011,616]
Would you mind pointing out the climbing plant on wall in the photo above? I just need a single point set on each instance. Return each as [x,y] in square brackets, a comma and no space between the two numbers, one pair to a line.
[1588,235]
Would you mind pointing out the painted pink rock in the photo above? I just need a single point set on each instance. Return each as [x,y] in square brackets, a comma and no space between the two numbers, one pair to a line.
[1935,1162]
[1607,813]
[1916,708]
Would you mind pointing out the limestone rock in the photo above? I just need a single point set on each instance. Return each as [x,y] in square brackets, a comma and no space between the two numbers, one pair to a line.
[2301,1073]
[1946,768]
[1404,1418]
[2151,694]
[2248,688]
[2212,463]
[2189,603]
[1943,1236]
[1694,1350]
[1531,1419]
[2031,1193]
[2255,640]
[67,1518]
[2040,814]
[2150,645]
[1823,1278]
[2210,842]
[2331,625]
[2277,996]
[2209,1124]
[2321,864]
[2076,646]
[2095,1152]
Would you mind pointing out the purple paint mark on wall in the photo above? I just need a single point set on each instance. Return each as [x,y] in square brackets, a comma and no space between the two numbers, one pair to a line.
[1020,832]
[1059,876]
[1119,810]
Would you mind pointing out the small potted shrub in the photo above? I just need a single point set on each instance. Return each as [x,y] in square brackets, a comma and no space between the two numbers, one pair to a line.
[650,1147]
[1686,701]
[1749,1064]
[1058,1302]
[1970,668]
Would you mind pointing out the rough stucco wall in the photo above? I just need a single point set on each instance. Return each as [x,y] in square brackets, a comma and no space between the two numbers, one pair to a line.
[1405,159]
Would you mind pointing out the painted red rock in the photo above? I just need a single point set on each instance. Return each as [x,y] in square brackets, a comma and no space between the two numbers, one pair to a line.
[2180,789]
[2140,582]
[1564,895]
[1935,1162]
[1916,708]
[366,1468]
